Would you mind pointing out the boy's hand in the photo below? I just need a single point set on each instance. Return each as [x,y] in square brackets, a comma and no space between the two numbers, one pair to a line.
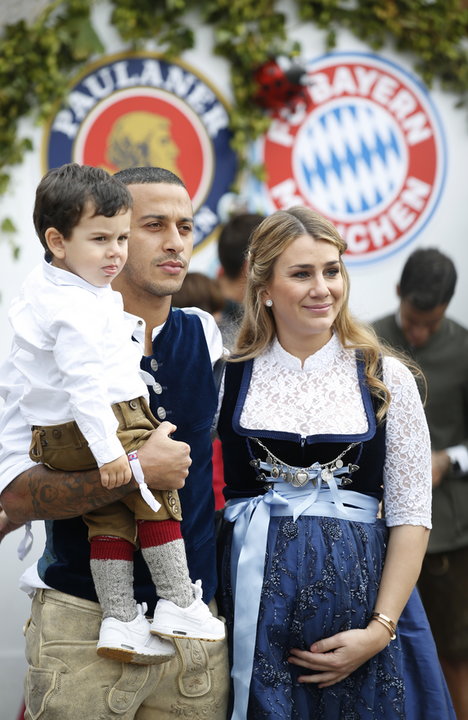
[115,473]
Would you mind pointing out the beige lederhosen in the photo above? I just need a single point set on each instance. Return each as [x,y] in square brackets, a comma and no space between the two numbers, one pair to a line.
[66,680]
[63,447]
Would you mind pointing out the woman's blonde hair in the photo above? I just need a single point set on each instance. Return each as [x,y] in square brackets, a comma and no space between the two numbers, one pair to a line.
[258,329]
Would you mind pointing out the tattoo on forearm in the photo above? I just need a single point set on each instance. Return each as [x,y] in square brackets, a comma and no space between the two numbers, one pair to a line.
[55,494]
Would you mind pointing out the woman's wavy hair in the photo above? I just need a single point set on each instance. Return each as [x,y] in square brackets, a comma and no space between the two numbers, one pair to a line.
[268,242]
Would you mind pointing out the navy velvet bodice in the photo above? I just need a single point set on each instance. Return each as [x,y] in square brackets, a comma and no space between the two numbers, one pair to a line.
[242,479]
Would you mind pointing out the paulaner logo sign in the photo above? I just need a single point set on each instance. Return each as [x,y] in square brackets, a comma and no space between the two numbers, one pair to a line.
[133,110]
[368,153]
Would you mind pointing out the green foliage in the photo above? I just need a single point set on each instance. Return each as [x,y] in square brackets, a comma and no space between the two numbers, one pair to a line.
[432,32]
[37,59]
[8,230]
[34,64]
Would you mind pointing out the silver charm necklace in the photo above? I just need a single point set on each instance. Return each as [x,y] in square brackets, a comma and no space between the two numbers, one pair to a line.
[299,476]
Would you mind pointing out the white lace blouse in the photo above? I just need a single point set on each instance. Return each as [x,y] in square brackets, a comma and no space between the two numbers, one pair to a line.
[324,396]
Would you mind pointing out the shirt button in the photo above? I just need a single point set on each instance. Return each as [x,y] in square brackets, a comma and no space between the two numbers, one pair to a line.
[133,404]
[140,322]
[154,364]
[157,388]
[161,413]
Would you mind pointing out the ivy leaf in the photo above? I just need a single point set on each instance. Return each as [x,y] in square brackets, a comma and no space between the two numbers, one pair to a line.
[86,42]
[8,226]
[4,182]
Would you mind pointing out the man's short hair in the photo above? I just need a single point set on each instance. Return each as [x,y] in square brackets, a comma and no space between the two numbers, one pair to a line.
[234,240]
[149,174]
[64,192]
[428,279]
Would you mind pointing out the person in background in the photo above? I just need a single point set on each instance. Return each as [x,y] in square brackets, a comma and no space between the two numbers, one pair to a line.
[439,345]
[200,290]
[233,242]
[318,424]
[178,349]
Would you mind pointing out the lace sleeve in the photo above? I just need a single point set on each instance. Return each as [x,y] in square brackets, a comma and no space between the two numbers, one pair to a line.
[407,470]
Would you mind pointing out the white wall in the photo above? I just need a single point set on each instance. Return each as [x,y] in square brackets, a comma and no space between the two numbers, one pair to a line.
[372,285]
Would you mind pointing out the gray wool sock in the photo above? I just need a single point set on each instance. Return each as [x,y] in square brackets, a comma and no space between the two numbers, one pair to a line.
[113,580]
[168,567]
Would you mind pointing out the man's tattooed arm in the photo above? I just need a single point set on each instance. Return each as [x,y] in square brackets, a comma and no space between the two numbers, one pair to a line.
[43,494]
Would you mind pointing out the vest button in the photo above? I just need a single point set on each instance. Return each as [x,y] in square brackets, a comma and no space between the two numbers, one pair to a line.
[161,413]
[157,387]
[154,364]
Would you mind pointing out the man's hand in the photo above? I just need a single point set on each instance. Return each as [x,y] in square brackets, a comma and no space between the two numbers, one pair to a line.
[116,473]
[165,461]
[440,466]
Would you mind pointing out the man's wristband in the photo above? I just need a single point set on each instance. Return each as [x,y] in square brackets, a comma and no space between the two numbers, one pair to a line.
[135,467]
[138,474]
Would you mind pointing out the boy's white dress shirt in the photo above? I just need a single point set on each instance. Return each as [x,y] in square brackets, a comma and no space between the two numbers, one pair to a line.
[72,348]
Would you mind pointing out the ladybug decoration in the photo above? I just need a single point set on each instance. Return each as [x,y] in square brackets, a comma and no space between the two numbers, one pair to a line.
[282,84]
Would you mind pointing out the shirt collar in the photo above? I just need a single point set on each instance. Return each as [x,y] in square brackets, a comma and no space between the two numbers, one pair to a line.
[140,329]
[63,277]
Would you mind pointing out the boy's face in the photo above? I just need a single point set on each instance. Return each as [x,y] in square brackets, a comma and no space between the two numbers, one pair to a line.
[97,247]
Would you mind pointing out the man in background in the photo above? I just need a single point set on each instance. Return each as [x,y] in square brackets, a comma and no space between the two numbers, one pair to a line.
[439,345]
[233,243]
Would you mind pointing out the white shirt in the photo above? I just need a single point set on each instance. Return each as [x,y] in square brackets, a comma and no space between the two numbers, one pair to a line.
[324,396]
[72,349]
[15,433]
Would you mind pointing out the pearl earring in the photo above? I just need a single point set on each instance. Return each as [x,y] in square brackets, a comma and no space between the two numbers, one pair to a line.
[268,302]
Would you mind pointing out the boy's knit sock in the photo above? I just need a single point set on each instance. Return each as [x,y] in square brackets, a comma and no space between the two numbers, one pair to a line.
[167,562]
[113,577]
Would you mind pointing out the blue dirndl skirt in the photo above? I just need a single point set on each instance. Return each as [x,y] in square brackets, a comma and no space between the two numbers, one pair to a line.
[322,577]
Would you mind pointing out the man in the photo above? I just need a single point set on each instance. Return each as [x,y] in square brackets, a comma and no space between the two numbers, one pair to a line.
[233,242]
[439,346]
[66,678]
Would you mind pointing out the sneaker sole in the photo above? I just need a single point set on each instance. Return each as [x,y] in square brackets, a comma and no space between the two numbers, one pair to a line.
[130,656]
[168,633]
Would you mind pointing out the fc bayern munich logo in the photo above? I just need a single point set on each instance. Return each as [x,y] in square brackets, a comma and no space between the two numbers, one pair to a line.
[368,152]
[140,110]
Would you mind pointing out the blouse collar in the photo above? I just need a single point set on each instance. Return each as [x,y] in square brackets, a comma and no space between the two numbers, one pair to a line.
[320,360]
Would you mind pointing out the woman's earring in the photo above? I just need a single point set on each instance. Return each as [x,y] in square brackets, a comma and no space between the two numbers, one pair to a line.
[269,302]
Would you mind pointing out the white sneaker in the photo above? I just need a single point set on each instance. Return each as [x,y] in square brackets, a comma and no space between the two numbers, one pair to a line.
[132,642]
[195,621]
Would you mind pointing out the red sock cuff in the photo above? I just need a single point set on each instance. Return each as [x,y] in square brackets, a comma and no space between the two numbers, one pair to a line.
[152,533]
[104,547]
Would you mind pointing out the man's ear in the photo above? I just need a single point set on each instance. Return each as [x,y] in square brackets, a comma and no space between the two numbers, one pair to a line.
[398,292]
[55,242]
